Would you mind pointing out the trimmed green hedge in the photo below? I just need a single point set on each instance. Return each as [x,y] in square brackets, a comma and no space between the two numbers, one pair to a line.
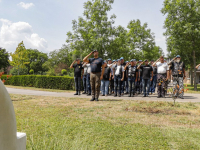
[41,81]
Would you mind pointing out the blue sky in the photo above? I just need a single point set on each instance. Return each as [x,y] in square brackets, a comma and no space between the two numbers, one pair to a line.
[43,24]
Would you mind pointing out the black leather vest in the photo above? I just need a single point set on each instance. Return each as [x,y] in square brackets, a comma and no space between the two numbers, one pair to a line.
[132,70]
[178,69]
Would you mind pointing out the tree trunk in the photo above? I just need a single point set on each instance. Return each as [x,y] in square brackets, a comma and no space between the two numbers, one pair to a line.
[195,83]
[191,76]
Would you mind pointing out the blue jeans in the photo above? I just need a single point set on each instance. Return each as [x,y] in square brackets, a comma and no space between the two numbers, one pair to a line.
[131,82]
[139,85]
[88,84]
[117,84]
[105,86]
[85,83]
[153,84]
[126,86]
[146,84]
[123,85]
[77,81]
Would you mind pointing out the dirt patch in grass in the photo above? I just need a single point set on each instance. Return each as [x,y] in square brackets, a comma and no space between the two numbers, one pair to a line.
[153,110]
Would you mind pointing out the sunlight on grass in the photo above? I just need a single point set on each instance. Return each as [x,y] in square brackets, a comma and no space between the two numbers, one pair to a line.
[69,123]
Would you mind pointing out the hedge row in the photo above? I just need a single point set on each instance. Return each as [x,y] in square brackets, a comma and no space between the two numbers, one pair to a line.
[38,81]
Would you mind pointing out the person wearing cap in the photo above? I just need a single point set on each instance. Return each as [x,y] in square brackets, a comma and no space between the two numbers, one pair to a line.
[77,74]
[106,80]
[178,74]
[111,85]
[132,76]
[118,70]
[139,82]
[125,75]
[126,82]
[88,86]
[85,79]
[154,81]
[146,77]
[96,75]
[162,76]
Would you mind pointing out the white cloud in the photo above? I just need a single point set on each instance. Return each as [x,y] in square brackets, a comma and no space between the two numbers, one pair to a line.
[25,5]
[13,33]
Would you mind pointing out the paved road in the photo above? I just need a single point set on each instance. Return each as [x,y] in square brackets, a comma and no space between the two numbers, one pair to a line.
[188,97]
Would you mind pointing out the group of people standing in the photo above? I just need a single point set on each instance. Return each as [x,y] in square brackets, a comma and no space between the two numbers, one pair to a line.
[131,77]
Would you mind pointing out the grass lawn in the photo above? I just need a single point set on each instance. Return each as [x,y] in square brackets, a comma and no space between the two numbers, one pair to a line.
[38,89]
[191,88]
[69,123]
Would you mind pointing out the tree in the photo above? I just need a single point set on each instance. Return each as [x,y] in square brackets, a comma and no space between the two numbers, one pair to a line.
[19,57]
[183,30]
[94,31]
[59,59]
[36,60]
[4,57]
[141,41]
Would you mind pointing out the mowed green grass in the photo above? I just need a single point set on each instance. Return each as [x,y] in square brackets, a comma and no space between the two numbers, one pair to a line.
[69,123]
[191,88]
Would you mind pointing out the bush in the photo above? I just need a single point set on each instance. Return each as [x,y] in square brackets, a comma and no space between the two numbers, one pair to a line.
[41,81]
[51,72]
[22,71]
[64,71]
[31,71]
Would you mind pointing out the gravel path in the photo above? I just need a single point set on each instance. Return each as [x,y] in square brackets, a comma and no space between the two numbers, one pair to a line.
[188,96]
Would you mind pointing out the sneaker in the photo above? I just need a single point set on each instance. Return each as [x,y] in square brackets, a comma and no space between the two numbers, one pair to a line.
[84,92]
[102,95]
[144,95]
[89,94]
[96,99]
[115,95]
[76,93]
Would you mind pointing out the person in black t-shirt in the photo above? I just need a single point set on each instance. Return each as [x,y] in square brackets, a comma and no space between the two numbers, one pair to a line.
[96,74]
[106,80]
[126,80]
[139,82]
[147,70]
[154,80]
[77,75]
[132,76]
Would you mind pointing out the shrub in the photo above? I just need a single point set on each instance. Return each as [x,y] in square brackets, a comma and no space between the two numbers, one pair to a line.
[64,71]
[22,71]
[31,71]
[41,81]
[51,72]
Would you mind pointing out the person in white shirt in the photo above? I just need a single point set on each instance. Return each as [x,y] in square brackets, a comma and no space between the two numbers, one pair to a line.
[111,90]
[85,78]
[118,70]
[162,76]
[88,78]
